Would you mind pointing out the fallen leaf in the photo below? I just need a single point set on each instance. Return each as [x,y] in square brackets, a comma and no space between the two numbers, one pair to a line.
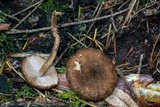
[148,94]
[154,86]
[4,26]
[143,103]
[135,80]
[125,97]
[115,101]
[62,81]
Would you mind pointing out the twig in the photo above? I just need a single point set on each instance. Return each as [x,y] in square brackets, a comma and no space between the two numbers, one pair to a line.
[134,15]
[126,83]
[28,105]
[98,43]
[122,65]
[27,15]
[9,16]
[27,8]
[87,103]
[95,9]
[108,37]
[77,40]
[13,31]
[140,62]
[113,22]
[45,98]
[124,3]
[156,57]
[97,15]
[115,45]
[2,94]
[154,46]
[25,54]
[137,66]
[60,57]
[130,51]
[129,12]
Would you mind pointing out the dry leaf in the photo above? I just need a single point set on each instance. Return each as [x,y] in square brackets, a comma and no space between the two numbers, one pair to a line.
[148,94]
[135,80]
[125,97]
[115,101]
[63,80]
[154,86]
[4,26]
[120,99]
[142,78]
[143,103]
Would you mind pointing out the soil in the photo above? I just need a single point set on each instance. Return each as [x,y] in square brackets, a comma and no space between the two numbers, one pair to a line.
[135,39]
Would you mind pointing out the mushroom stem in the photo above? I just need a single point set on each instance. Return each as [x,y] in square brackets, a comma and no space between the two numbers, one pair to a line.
[53,54]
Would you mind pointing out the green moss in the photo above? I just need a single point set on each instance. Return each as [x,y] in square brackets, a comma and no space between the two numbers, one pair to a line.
[73,99]
[26,91]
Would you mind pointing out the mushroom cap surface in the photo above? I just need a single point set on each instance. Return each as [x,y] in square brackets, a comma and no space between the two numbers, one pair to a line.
[91,74]
[30,68]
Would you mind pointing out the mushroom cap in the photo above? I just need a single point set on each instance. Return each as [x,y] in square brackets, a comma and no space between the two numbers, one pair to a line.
[91,74]
[31,66]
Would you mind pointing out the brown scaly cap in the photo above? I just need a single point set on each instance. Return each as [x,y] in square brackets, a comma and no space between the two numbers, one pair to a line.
[91,74]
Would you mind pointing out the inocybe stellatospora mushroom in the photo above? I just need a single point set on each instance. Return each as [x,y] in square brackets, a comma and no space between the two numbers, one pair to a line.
[38,71]
[91,74]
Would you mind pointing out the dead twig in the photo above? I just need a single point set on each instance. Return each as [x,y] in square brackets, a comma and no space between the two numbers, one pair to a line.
[115,46]
[98,43]
[113,22]
[122,65]
[140,62]
[27,8]
[9,16]
[77,40]
[151,57]
[15,31]
[136,13]
[154,61]
[108,37]
[129,13]
[124,3]
[60,57]
[20,22]
[129,52]
[97,15]
[126,83]
[25,54]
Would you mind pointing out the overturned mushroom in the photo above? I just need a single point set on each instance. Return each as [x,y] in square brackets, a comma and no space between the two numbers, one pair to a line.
[91,74]
[38,71]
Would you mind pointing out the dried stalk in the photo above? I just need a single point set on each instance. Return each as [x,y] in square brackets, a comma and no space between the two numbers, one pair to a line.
[14,31]
[129,12]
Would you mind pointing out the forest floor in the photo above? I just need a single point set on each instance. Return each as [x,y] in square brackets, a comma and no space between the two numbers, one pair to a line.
[126,31]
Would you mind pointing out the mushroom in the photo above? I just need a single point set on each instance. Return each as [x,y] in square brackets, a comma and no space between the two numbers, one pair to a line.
[91,74]
[38,71]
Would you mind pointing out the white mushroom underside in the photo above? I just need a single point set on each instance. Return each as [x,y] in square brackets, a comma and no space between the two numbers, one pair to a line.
[31,68]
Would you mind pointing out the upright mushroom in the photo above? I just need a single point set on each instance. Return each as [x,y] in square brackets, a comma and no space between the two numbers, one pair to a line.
[91,74]
[38,71]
